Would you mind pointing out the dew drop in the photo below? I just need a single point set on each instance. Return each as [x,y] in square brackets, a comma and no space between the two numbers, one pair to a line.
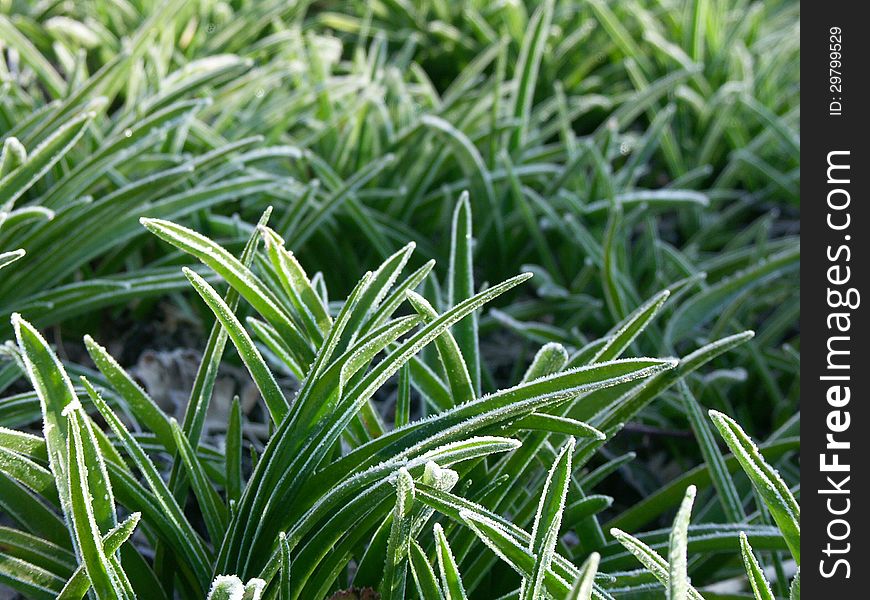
[128,133]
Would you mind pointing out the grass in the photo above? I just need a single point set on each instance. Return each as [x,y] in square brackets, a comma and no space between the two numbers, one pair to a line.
[640,159]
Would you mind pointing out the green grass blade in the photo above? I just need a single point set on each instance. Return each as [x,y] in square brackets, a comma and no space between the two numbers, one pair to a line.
[272,394]
[100,571]
[548,520]
[583,585]
[455,368]
[140,404]
[773,490]
[460,285]
[424,574]
[214,511]
[233,463]
[760,586]
[395,566]
[722,481]
[284,592]
[678,577]
[451,581]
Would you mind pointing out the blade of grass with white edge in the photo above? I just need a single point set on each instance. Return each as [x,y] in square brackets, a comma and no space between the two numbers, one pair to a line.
[284,591]
[56,393]
[77,585]
[678,577]
[105,581]
[548,520]
[630,328]
[760,586]
[773,490]
[460,285]
[454,365]
[584,584]
[451,582]
[262,376]
[423,573]
[138,401]
[648,557]
[395,566]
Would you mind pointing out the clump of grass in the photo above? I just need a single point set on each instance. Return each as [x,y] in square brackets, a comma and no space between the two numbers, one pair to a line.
[333,483]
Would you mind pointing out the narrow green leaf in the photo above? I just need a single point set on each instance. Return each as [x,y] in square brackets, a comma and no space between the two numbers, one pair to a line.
[424,574]
[284,592]
[395,566]
[678,577]
[773,490]
[262,376]
[403,397]
[548,520]
[455,368]
[100,571]
[760,586]
[460,285]
[56,398]
[583,585]
[140,404]
[233,463]
[630,328]
[213,510]
[722,481]
[451,582]
[556,424]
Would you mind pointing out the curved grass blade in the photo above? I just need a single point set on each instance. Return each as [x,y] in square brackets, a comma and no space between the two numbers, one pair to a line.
[773,490]
[272,394]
